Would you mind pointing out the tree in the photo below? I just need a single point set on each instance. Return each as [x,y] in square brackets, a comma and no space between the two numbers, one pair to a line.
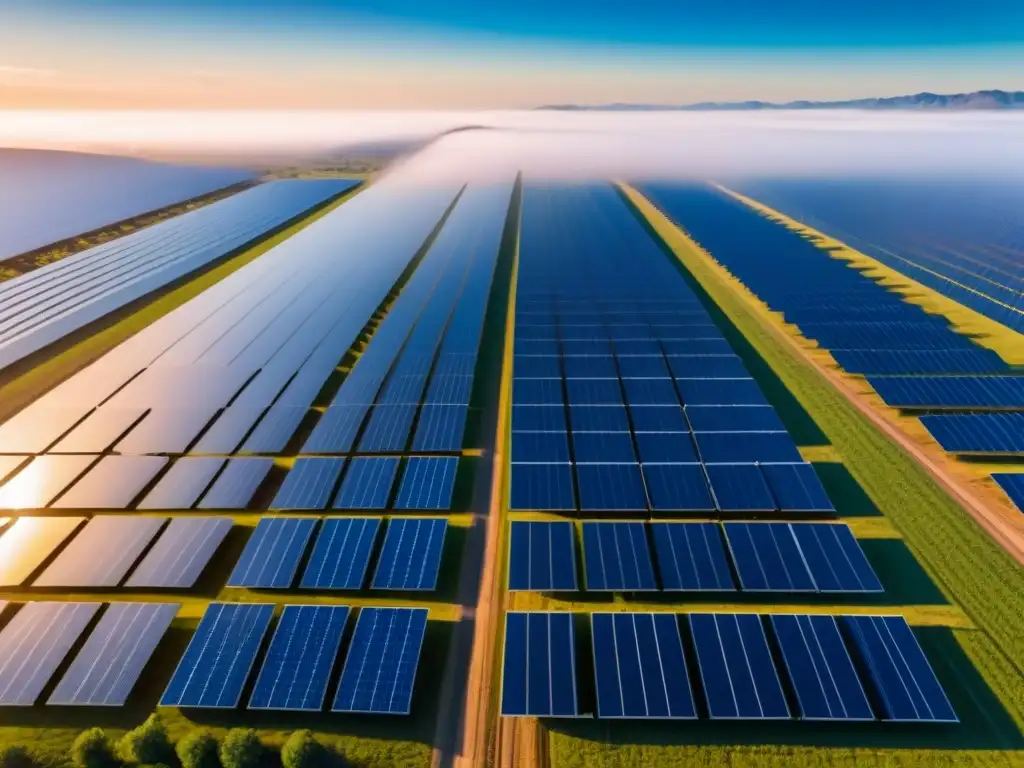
[16,757]
[92,749]
[198,749]
[148,744]
[241,748]
[302,750]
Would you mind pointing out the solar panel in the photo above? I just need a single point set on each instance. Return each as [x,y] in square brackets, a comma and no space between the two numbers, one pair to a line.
[967,432]
[542,557]
[747,447]
[707,367]
[29,542]
[797,488]
[541,487]
[736,667]
[666,447]
[219,657]
[541,447]
[411,556]
[643,368]
[616,557]
[120,539]
[734,418]
[588,367]
[658,418]
[275,429]
[440,429]
[678,488]
[8,464]
[34,643]
[45,476]
[428,483]
[388,429]
[182,484]
[367,484]
[720,392]
[639,667]
[181,553]
[908,361]
[539,666]
[109,664]
[904,681]
[975,392]
[237,484]
[599,447]
[739,488]
[537,367]
[820,668]
[540,418]
[537,392]
[611,487]
[342,552]
[650,391]
[99,430]
[35,429]
[299,660]
[691,557]
[768,558]
[697,347]
[272,554]
[309,484]
[166,430]
[835,559]
[225,434]
[598,418]
[336,430]
[1013,486]
[113,483]
[593,391]
[382,661]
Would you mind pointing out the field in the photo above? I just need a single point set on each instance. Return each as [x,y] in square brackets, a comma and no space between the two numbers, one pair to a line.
[447,299]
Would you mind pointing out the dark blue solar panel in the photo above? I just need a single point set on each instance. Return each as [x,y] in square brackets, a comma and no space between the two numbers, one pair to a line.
[975,392]
[388,429]
[537,392]
[597,447]
[590,367]
[632,347]
[537,367]
[540,447]
[539,666]
[538,418]
[768,558]
[902,677]
[309,484]
[272,554]
[666,447]
[450,390]
[428,483]
[736,667]
[697,347]
[820,668]
[978,432]
[747,447]
[658,418]
[650,392]
[1013,486]
[299,660]
[610,487]
[237,484]
[616,557]
[643,368]
[720,392]
[594,391]
[739,488]
[546,347]
[541,487]
[835,559]
[577,347]
[678,488]
[691,557]
[367,484]
[542,556]
[382,660]
[440,428]
[734,418]
[796,488]
[342,552]
[639,667]
[707,367]
[219,657]
[905,361]
[336,430]
[411,556]
[182,484]
[599,418]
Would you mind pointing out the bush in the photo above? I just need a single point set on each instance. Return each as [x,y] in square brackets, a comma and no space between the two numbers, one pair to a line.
[302,750]
[92,749]
[241,748]
[198,749]
[148,744]
[17,757]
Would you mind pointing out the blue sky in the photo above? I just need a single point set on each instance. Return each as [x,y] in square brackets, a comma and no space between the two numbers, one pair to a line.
[483,53]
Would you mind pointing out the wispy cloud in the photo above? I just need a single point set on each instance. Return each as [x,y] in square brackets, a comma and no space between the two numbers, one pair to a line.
[15,71]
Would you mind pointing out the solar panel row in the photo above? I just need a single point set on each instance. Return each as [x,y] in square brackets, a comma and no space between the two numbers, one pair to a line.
[1001,433]
[962,392]
[1013,486]
[640,670]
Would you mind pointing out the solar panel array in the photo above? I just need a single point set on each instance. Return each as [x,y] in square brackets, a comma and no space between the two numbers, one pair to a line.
[624,391]
[846,668]
[1013,486]
[49,303]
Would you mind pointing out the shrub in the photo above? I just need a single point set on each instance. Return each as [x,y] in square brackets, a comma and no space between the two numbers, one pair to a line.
[198,749]
[241,748]
[302,750]
[16,757]
[92,749]
[147,744]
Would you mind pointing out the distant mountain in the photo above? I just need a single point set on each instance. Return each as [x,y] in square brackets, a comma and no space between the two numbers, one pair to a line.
[956,101]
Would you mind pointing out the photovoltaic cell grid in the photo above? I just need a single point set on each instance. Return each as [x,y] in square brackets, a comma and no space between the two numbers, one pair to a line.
[617,557]
[181,553]
[383,658]
[341,555]
[542,556]
[691,557]
[29,542]
[272,554]
[539,666]
[102,552]
[411,555]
